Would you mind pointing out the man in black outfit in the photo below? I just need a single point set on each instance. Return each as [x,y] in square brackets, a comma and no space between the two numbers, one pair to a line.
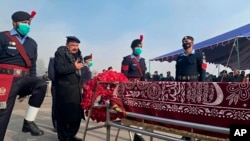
[18,56]
[169,77]
[68,85]
[134,66]
[190,65]
[86,68]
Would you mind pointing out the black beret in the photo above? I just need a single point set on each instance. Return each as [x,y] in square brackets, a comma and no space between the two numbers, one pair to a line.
[135,43]
[20,16]
[188,37]
[87,57]
[72,39]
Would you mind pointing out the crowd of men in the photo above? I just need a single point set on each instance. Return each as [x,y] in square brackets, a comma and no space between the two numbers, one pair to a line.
[224,76]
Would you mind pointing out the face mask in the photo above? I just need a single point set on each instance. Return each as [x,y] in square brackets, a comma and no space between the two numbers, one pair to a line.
[23,28]
[90,64]
[186,45]
[138,50]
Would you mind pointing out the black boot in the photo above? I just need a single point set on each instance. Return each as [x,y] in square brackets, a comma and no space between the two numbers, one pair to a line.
[30,126]
[76,139]
[138,137]
[186,138]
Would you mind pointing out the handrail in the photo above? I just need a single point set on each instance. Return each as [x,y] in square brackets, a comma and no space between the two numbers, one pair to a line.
[152,134]
[192,125]
[110,123]
[181,123]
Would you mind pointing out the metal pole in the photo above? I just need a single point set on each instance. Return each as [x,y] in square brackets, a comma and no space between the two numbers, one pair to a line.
[181,123]
[218,70]
[157,135]
[149,66]
[107,121]
[238,52]
[90,112]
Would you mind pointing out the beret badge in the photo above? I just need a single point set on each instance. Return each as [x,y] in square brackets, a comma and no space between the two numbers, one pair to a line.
[12,43]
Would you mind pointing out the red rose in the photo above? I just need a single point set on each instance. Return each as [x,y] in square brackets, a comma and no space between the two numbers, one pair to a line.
[104,90]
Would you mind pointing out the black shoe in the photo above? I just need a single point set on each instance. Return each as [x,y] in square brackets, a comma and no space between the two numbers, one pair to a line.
[186,138]
[54,130]
[76,139]
[30,126]
[138,137]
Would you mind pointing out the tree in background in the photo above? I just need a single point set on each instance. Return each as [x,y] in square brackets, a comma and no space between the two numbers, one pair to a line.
[40,67]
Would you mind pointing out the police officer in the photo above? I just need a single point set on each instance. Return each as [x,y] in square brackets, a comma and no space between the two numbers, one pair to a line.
[68,84]
[169,77]
[86,68]
[18,55]
[134,66]
[190,65]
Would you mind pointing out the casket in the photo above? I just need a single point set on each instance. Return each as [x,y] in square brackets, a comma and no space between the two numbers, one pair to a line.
[212,103]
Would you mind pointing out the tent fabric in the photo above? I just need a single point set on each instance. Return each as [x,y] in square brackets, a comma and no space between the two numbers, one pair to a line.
[218,49]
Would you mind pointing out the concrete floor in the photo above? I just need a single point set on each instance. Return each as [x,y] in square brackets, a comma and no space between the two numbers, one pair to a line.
[43,120]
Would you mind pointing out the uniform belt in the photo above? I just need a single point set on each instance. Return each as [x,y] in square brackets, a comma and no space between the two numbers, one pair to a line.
[15,72]
[188,77]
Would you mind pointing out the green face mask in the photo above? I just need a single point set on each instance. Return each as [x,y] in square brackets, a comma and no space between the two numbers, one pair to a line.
[90,64]
[23,28]
[138,50]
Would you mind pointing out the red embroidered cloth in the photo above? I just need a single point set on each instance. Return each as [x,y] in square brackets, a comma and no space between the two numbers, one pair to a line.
[219,104]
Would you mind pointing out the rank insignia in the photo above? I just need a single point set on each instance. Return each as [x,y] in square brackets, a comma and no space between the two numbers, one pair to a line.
[12,43]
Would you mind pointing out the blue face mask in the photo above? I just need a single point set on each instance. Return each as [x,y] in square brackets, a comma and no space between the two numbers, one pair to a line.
[23,28]
[138,50]
[90,64]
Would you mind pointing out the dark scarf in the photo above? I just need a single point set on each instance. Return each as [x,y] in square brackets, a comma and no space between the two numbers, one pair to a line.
[73,58]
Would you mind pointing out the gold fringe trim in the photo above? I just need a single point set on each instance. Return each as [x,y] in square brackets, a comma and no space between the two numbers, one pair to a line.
[151,127]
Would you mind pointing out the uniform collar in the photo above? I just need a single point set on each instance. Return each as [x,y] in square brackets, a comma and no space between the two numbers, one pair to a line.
[133,56]
[14,32]
[193,52]
[85,64]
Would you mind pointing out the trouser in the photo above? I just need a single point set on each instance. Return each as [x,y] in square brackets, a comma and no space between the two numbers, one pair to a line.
[66,130]
[22,86]
[53,110]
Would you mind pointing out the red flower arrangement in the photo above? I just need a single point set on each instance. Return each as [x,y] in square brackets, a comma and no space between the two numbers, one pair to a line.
[105,88]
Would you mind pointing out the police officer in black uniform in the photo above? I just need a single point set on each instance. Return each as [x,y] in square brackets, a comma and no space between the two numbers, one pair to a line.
[68,85]
[190,66]
[134,66]
[22,73]
[86,68]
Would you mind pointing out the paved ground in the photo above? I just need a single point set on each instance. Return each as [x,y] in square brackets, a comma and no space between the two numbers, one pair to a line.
[44,122]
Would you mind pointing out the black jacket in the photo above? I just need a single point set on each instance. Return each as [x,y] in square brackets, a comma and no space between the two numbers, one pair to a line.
[10,55]
[190,65]
[131,69]
[51,70]
[68,85]
[86,73]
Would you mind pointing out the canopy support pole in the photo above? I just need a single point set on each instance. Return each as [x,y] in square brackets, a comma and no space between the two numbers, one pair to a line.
[238,52]
[149,66]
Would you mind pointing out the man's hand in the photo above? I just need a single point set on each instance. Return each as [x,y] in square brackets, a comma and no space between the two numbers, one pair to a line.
[78,65]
